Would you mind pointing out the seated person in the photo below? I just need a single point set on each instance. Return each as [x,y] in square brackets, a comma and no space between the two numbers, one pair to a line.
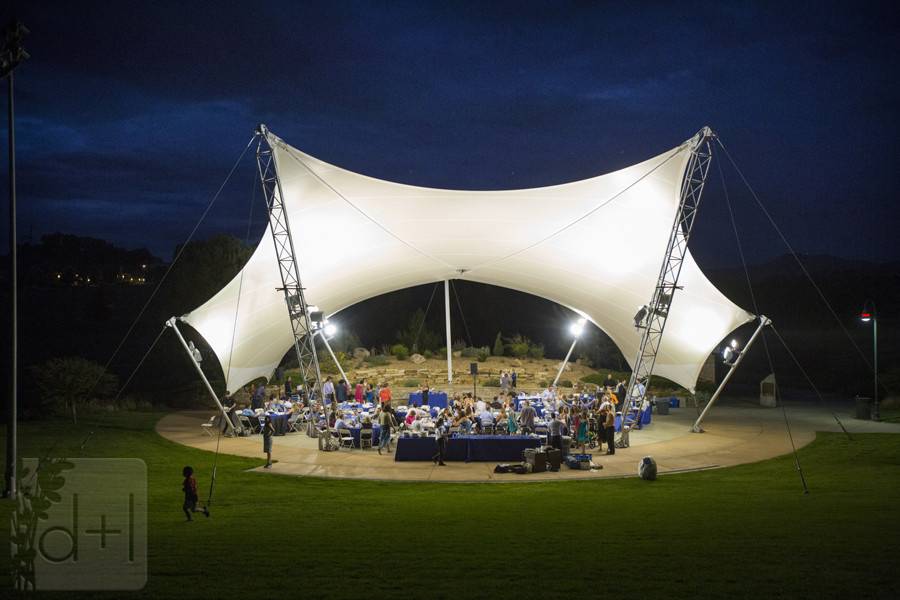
[410,417]
[464,422]
[366,422]
[340,423]
[480,406]
[486,418]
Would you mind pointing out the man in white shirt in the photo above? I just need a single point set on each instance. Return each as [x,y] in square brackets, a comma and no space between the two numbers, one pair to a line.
[480,406]
[548,393]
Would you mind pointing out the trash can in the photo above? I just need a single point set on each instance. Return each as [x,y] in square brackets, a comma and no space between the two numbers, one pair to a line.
[863,408]
[662,406]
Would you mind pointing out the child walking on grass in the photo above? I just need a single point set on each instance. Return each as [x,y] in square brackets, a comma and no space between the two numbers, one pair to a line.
[190,494]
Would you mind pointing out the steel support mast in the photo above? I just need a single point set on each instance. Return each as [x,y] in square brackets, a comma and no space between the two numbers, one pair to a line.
[294,296]
[657,310]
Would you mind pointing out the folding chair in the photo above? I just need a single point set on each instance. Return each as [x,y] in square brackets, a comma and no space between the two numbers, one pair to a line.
[345,438]
[209,426]
[246,424]
[294,423]
[365,439]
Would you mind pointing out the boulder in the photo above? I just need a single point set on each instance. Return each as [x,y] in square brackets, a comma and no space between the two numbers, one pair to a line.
[417,359]
[360,353]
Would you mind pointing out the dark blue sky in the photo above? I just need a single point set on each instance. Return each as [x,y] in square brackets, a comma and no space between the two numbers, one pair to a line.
[131,113]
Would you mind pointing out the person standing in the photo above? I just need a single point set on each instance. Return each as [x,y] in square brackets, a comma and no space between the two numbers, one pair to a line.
[189,486]
[387,422]
[609,428]
[440,438]
[341,392]
[328,391]
[288,387]
[385,395]
[526,418]
[513,378]
[425,393]
[359,391]
[581,430]
[268,432]
[555,431]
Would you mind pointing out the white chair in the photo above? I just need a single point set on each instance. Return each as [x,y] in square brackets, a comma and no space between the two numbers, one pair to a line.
[345,438]
[209,426]
[294,423]
[365,439]
[246,425]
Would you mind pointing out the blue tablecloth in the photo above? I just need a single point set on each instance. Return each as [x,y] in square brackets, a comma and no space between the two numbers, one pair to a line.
[279,422]
[495,448]
[645,419]
[438,399]
[376,435]
[401,414]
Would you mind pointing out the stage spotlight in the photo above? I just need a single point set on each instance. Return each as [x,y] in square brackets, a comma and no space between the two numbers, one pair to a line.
[730,353]
[330,329]
[577,328]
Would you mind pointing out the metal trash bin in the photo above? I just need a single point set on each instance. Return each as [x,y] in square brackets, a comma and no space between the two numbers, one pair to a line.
[863,408]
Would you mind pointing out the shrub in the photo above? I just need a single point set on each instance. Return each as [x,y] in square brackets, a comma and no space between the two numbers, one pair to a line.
[470,352]
[536,351]
[377,360]
[482,355]
[400,351]
[498,345]
[565,383]
[543,383]
[595,378]
[428,354]
[491,382]
[411,383]
[519,349]
[458,346]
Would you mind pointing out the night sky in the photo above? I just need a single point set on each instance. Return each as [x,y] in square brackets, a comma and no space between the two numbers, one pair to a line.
[130,114]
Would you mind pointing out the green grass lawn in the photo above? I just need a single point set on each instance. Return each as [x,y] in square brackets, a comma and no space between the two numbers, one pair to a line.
[744,531]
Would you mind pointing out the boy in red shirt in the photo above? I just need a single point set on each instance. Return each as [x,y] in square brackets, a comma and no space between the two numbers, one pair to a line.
[189,486]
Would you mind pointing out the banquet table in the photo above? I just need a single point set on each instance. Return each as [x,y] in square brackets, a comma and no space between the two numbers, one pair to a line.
[376,435]
[467,448]
[438,399]
[645,419]
[279,422]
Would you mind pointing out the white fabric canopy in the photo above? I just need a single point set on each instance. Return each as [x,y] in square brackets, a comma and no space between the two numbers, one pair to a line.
[594,246]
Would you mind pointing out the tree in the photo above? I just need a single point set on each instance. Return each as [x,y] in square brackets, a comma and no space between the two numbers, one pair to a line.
[416,336]
[66,382]
[498,345]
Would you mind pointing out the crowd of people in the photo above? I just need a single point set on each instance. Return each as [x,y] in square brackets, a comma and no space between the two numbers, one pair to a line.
[586,419]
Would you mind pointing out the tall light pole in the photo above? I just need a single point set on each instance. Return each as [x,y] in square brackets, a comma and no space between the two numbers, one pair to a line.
[11,55]
[575,329]
[870,313]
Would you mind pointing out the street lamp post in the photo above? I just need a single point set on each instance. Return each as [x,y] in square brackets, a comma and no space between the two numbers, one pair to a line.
[576,328]
[870,313]
[11,54]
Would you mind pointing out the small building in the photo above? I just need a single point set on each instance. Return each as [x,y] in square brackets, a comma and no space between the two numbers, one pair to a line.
[768,391]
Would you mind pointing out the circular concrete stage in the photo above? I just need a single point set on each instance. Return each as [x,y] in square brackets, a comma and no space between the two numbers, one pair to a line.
[734,435]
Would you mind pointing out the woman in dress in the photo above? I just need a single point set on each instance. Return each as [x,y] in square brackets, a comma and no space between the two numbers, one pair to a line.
[581,427]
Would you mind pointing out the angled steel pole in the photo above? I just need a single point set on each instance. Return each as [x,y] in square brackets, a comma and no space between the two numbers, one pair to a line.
[324,339]
[763,321]
[11,55]
[174,325]
[565,361]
